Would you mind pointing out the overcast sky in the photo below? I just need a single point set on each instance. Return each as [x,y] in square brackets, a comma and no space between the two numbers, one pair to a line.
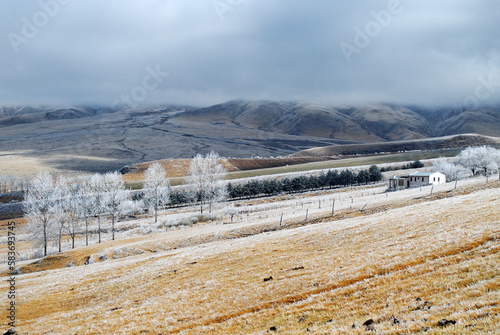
[202,52]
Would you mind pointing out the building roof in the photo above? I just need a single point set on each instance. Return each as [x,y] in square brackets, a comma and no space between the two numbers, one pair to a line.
[423,174]
[399,177]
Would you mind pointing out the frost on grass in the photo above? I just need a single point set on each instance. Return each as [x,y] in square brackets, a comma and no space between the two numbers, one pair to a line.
[439,250]
[146,228]
[126,252]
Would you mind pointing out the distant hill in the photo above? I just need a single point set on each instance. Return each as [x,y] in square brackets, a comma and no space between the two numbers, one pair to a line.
[99,138]
[285,118]
[438,143]
[391,123]
[13,116]
[358,124]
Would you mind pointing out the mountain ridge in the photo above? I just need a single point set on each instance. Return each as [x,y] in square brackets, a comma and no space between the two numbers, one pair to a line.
[101,139]
[381,122]
[359,123]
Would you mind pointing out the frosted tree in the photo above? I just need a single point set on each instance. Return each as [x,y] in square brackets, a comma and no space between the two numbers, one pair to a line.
[130,206]
[156,188]
[231,211]
[483,158]
[467,158]
[217,193]
[453,172]
[85,203]
[206,176]
[487,158]
[40,207]
[62,211]
[115,194]
[96,193]
[495,156]
[76,211]
[10,184]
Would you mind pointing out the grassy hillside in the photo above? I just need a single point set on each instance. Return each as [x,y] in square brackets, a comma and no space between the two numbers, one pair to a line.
[409,262]
[73,140]
[428,144]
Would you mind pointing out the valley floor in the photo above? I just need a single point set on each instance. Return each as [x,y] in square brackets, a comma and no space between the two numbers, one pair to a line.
[407,260]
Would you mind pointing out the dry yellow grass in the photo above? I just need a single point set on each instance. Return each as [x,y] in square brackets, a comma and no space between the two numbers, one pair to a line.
[174,168]
[417,262]
[23,164]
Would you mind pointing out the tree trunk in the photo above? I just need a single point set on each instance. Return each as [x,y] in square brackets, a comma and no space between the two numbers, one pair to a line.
[99,227]
[60,238]
[86,231]
[45,239]
[156,213]
[113,226]
[156,204]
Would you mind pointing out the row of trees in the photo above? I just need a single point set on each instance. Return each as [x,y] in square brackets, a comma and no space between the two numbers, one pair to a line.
[302,183]
[70,207]
[412,165]
[77,207]
[13,184]
[54,209]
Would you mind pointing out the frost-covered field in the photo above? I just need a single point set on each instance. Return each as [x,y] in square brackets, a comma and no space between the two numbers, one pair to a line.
[295,208]
[406,261]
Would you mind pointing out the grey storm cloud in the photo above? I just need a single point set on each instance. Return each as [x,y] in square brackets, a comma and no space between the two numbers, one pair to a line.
[208,51]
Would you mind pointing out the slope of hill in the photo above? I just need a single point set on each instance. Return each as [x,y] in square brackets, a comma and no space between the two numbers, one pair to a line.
[484,122]
[327,122]
[22,115]
[313,120]
[438,143]
[391,123]
[357,123]
[407,262]
[100,139]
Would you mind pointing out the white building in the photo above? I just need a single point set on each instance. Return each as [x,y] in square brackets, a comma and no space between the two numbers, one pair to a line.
[417,179]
